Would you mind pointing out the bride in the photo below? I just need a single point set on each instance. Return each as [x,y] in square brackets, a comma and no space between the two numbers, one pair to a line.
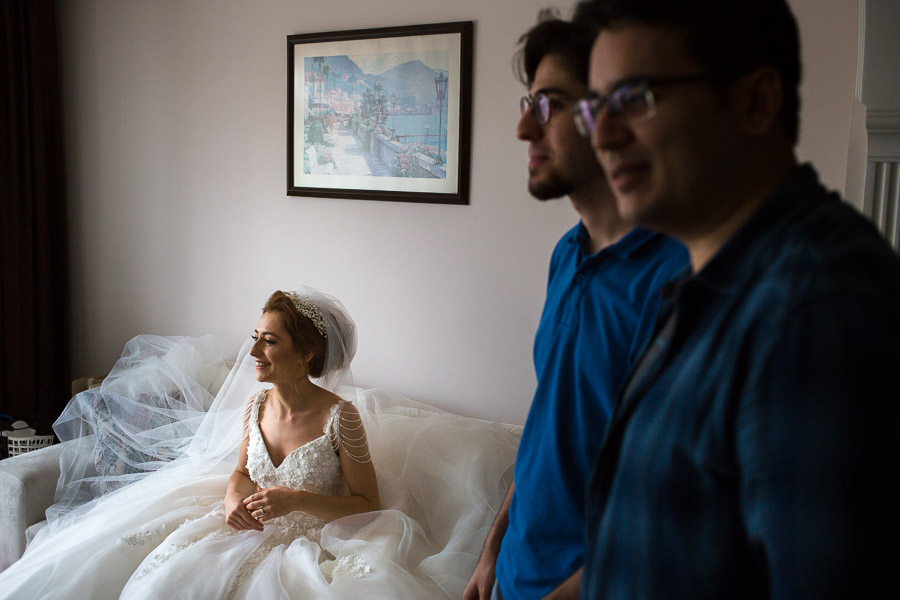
[295,422]
[302,514]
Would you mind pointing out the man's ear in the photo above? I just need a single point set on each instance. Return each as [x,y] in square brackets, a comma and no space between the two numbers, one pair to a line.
[758,97]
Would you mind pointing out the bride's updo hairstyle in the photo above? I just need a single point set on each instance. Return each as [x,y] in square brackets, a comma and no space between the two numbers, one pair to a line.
[319,323]
[299,315]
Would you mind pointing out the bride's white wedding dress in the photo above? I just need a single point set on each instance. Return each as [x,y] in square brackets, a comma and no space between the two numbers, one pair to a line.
[207,543]
[441,479]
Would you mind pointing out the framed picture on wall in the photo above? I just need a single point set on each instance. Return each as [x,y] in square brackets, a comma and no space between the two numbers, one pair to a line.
[381,114]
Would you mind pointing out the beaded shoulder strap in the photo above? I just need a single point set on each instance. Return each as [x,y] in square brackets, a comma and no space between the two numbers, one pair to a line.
[347,433]
[248,413]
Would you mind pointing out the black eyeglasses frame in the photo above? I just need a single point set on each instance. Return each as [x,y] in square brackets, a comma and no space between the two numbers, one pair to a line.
[586,110]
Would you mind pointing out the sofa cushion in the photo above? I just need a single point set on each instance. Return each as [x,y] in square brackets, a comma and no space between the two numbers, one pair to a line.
[27,485]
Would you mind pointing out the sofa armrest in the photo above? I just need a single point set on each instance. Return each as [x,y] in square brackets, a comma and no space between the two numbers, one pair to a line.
[27,486]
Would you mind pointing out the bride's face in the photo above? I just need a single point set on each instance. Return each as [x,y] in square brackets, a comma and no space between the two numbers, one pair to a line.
[277,359]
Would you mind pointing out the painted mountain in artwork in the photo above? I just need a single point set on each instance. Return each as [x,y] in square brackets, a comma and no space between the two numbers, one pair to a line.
[410,85]
[414,79]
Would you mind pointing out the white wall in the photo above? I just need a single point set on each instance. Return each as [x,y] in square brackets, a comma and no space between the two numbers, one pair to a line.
[175,135]
[828,39]
[881,78]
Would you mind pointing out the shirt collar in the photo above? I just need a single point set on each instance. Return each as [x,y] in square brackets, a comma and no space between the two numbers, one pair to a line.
[740,256]
[630,243]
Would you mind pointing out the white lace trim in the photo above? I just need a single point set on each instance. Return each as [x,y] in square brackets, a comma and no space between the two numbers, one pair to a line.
[349,564]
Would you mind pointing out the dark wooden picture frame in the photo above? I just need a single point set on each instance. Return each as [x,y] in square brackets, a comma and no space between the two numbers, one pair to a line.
[362,107]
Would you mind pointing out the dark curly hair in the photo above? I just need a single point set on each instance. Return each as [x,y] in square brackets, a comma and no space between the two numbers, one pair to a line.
[552,35]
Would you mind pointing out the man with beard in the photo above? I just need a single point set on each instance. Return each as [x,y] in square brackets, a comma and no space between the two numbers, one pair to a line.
[602,298]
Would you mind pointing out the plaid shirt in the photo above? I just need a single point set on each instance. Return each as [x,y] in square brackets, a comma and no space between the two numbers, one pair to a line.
[756,455]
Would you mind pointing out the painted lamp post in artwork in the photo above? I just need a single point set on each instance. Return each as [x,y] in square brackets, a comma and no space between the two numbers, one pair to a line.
[440,89]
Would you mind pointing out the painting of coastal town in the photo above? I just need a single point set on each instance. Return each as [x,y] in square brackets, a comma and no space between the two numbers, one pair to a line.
[377,114]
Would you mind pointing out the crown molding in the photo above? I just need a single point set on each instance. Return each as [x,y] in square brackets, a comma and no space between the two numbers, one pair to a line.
[883,120]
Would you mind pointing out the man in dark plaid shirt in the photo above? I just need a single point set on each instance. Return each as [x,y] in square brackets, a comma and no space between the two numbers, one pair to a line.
[755,449]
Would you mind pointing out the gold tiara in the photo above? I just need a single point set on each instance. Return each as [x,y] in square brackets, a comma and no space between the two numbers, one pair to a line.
[309,310]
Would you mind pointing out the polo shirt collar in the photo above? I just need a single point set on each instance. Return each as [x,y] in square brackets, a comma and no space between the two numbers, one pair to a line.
[630,243]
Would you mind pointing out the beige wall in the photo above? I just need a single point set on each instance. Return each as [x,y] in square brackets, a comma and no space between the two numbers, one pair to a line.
[828,38]
[175,132]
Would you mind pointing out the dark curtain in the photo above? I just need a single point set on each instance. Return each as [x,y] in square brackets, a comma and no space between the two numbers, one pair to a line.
[34,286]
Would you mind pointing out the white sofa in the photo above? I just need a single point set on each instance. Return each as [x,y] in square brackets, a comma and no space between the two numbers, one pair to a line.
[27,485]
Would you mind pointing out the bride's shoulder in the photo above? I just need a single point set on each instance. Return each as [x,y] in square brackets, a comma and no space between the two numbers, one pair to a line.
[348,432]
[345,408]
[253,403]
[339,406]
[343,412]
[256,399]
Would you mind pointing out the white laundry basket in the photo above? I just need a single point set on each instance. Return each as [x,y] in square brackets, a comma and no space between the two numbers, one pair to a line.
[21,445]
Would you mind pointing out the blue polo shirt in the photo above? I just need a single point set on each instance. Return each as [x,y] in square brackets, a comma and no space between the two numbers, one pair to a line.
[755,452]
[599,310]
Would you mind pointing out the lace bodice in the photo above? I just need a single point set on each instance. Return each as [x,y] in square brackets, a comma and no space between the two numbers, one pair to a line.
[313,467]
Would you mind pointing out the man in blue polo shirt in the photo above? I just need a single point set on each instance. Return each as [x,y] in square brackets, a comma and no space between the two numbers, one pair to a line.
[600,307]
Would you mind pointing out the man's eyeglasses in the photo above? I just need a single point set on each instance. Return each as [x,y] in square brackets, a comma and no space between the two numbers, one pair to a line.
[632,100]
[542,106]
